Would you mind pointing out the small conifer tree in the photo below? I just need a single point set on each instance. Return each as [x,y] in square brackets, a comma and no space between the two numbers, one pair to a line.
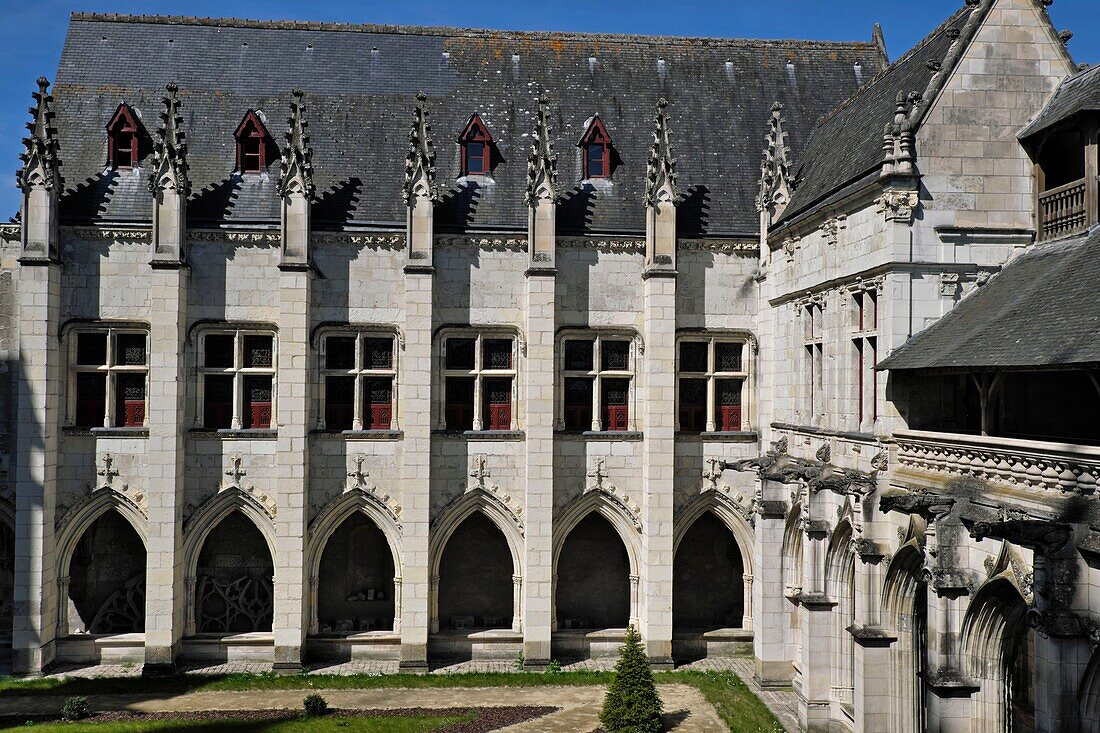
[632,704]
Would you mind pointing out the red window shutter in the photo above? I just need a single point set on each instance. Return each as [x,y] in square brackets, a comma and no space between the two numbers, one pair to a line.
[130,400]
[379,395]
[498,404]
[728,397]
[615,394]
[257,409]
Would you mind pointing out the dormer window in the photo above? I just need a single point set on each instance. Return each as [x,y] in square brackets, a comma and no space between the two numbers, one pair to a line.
[476,143]
[596,145]
[122,139]
[252,144]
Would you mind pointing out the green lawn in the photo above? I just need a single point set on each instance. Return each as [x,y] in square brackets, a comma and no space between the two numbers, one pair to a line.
[326,724]
[742,711]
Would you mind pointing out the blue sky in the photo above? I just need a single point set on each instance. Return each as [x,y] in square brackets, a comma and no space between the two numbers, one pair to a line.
[36,30]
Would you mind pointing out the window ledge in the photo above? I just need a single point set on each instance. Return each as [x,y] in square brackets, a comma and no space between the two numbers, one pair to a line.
[626,435]
[484,434]
[731,436]
[74,431]
[242,434]
[371,434]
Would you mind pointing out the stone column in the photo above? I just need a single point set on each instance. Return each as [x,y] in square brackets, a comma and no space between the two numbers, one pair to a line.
[292,416]
[415,393]
[165,612]
[38,397]
[658,470]
[772,612]
[539,426]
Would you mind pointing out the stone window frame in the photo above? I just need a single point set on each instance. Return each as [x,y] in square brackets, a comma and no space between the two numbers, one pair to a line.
[712,338]
[480,334]
[863,335]
[71,336]
[238,371]
[599,335]
[360,373]
[813,381]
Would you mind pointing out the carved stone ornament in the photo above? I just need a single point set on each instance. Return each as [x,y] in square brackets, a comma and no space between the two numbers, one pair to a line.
[106,482]
[420,159]
[169,167]
[831,228]
[949,284]
[542,163]
[296,171]
[598,476]
[41,163]
[1043,536]
[898,206]
[235,474]
[928,506]
[776,181]
[661,165]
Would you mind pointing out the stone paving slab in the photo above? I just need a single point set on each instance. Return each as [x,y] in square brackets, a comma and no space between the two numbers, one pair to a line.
[688,710]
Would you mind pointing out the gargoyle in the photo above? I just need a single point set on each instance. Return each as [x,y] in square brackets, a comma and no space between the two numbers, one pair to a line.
[793,471]
[929,507]
[1041,535]
[844,482]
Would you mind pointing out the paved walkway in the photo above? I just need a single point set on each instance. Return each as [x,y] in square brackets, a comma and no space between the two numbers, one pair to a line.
[688,710]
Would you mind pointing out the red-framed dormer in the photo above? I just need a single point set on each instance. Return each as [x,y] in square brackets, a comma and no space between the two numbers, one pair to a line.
[122,139]
[596,146]
[254,145]
[476,144]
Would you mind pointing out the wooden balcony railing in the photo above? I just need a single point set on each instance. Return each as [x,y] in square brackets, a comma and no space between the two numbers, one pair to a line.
[1031,464]
[1063,210]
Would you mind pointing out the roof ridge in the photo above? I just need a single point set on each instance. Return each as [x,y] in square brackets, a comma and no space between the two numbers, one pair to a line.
[897,63]
[308,25]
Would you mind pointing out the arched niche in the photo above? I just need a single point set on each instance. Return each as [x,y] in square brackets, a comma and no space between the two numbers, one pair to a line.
[708,577]
[594,587]
[233,575]
[476,580]
[104,586]
[840,586]
[905,604]
[355,588]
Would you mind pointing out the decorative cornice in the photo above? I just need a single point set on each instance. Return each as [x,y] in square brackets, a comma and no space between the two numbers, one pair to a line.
[541,163]
[373,241]
[273,237]
[631,246]
[41,163]
[497,244]
[898,205]
[661,166]
[296,172]
[420,160]
[170,148]
[112,234]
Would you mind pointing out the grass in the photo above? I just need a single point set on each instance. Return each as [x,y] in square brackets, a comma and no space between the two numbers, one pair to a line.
[417,724]
[741,710]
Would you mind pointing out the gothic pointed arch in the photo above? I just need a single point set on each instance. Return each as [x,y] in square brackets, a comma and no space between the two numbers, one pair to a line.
[1089,696]
[904,603]
[735,519]
[101,587]
[997,653]
[476,500]
[77,521]
[344,506]
[792,551]
[621,518]
[840,586]
[205,518]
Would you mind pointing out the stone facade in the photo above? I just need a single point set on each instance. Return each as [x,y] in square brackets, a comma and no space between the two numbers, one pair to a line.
[878,570]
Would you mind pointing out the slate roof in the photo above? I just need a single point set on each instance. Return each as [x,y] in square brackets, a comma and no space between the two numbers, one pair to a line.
[360,83]
[1077,93]
[846,146]
[1040,311]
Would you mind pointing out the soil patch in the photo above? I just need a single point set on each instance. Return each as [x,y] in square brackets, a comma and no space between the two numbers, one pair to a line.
[488,719]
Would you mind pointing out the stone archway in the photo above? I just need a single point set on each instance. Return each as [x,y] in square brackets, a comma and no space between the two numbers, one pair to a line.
[7,579]
[233,579]
[593,588]
[355,579]
[840,579]
[999,649]
[905,603]
[476,578]
[106,579]
[1089,696]
[708,589]
[792,573]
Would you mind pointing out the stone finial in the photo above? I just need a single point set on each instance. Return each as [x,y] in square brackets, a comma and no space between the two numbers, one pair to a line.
[542,163]
[775,168]
[897,138]
[296,172]
[420,160]
[41,163]
[661,166]
[170,148]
